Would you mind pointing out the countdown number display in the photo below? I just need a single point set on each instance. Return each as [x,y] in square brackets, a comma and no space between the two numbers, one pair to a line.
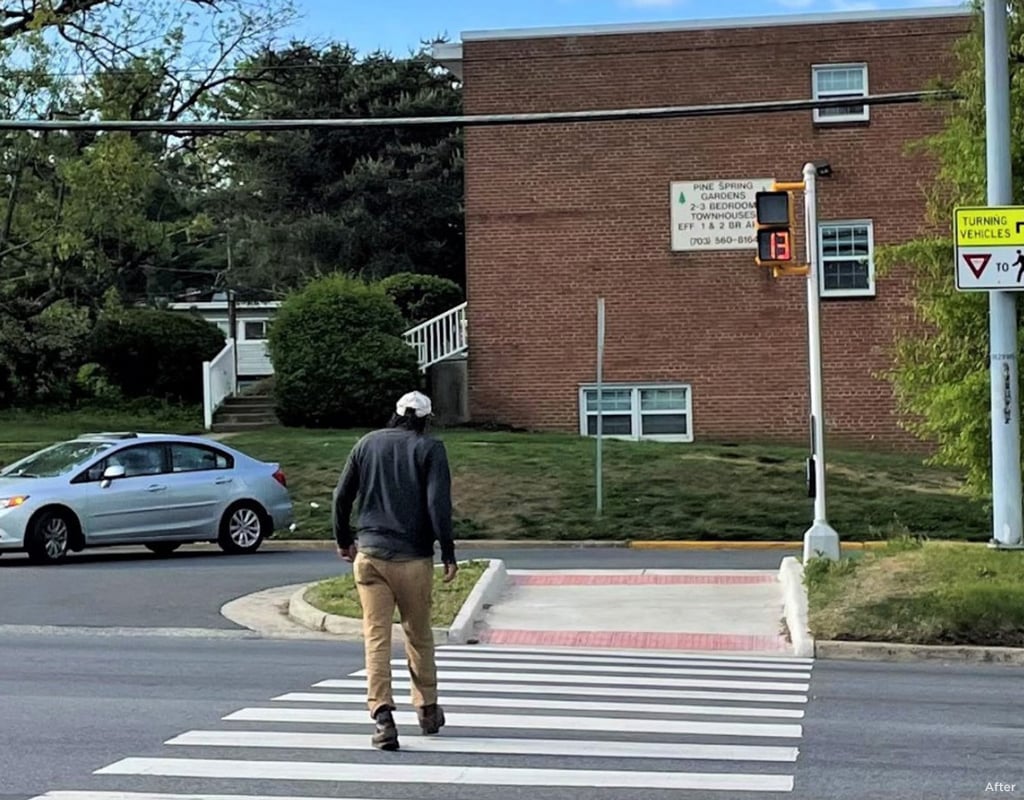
[774,245]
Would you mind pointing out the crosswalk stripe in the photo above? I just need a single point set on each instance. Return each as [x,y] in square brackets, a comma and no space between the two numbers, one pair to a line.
[518,747]
[88,795]
[608,680]
[563,705]
[697,661]
[445,663]
[573,652]
[525,722]
[578,691]
[429,774]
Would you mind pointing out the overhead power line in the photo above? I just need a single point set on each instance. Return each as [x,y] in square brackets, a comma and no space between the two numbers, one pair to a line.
[478,120]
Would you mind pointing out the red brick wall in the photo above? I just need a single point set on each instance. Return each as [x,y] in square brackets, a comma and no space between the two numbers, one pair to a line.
[560,214]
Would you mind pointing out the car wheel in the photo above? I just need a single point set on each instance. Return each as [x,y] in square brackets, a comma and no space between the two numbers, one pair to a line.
[242,528]
[163,548]
[48,540]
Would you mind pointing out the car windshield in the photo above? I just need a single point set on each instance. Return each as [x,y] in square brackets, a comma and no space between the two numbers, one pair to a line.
[55,460]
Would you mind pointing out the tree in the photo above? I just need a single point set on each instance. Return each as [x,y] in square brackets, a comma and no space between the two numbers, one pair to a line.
[378,201]
[941,378]
[339,359]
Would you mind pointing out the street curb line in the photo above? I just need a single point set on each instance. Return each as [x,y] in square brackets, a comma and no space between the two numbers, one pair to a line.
[569,544]
[486,589]
[794,598]
[885,651]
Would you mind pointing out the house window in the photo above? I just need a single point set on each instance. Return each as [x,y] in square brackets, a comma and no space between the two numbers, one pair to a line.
[657,412]
[834,81]
[255,330]
[846,251]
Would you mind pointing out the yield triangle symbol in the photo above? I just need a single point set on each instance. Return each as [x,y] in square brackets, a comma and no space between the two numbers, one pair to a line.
[977,262]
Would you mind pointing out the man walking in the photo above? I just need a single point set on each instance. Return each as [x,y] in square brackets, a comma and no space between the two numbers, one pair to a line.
[402,478]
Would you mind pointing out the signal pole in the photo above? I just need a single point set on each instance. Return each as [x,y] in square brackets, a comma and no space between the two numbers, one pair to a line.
[820,538]
[775,223]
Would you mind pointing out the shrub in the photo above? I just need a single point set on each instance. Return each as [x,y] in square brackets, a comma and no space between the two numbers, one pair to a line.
[158,354]
[339,359]
[421,297]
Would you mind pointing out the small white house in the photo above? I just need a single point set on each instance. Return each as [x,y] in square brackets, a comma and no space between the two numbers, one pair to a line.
[252,320]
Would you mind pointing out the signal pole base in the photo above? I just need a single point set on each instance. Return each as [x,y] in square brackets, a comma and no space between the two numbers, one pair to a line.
[821,541]
[995,544]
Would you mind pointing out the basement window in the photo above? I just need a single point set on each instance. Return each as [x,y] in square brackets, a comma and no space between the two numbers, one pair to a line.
[837,81]
[634,412]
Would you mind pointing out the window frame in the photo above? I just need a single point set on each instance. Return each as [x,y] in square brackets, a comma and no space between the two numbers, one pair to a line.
[245,330]
[871,290]
[636,412]
[838,119]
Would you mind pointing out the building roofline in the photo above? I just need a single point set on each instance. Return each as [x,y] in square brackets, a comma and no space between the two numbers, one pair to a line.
[453,51]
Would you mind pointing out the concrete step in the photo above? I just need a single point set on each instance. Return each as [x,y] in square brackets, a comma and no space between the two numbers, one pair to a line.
[258,400]
[241,427]
[264,417]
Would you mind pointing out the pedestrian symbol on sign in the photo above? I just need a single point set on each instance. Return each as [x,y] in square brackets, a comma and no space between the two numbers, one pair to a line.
[1020,264]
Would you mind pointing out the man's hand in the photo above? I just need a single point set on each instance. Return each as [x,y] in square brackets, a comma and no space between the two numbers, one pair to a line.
[450,571]
[347,553]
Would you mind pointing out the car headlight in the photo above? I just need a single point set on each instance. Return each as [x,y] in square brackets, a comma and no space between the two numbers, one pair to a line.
[13,502]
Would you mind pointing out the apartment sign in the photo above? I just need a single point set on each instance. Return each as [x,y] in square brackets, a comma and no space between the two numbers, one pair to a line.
[715,214]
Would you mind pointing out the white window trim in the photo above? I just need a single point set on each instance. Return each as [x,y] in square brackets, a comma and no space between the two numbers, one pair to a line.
[834,223]
[266,329]
[636,413]
[865,113]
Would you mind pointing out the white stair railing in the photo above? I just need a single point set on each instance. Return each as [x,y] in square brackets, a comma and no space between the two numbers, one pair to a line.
[439,338]
[219,380]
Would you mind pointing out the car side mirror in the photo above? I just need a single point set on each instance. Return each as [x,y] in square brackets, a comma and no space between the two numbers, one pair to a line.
[111,473]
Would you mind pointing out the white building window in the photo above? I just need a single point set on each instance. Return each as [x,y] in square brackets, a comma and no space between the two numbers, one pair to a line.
[835,81]
[661,412]
[254,330]
[846,251]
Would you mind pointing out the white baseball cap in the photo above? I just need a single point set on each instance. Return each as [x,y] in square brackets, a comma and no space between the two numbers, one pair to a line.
[418,402]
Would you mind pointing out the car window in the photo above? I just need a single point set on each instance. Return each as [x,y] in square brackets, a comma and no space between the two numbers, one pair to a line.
[193,458]
[146,459]
[56,460]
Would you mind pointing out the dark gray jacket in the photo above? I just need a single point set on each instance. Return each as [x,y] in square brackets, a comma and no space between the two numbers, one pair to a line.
[403,482]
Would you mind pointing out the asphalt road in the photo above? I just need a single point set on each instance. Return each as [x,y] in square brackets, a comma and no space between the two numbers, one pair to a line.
[136,589]
[73,704]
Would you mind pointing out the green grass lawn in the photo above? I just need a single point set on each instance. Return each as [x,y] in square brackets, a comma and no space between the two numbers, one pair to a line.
[942,593]
[339,595]
[542,486]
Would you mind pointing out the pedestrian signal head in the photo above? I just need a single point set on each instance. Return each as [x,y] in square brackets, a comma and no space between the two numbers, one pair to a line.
[775,223]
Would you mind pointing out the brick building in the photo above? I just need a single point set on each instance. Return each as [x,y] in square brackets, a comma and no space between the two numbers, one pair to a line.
[701,343]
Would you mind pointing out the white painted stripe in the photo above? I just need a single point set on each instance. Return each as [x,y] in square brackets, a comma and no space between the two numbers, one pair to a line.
[639,672]
[331,716]
[473,776]
[514,747]
[498,655]
[579,691]
[157,796]
[562,705]
[622,651]
[607,680]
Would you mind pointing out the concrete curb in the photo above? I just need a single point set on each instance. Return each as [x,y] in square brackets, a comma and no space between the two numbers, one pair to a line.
[487,588]
[885,651]
[637,544]
[794,596]
[490,586]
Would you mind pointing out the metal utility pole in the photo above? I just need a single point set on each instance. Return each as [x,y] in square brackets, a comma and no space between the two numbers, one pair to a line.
[1005,397]
[820,539]
[599,467]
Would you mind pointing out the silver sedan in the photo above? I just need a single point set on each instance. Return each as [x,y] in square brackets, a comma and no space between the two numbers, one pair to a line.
[162,491]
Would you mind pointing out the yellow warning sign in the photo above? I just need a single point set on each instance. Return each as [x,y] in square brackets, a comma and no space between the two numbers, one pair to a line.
[984,226]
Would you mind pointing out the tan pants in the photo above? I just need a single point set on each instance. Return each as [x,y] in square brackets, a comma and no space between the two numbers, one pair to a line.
[382,585]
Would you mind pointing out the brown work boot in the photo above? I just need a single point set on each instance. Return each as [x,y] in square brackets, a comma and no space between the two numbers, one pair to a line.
[431,719]
[385,737]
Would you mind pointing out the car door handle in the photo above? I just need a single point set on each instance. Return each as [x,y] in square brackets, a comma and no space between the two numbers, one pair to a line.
[224,480]
[155,488]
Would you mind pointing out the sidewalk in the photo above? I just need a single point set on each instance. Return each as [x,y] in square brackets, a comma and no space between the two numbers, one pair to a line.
[721,611]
